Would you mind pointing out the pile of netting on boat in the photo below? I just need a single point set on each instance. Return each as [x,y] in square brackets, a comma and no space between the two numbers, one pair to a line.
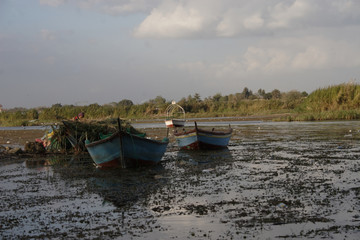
[70,136]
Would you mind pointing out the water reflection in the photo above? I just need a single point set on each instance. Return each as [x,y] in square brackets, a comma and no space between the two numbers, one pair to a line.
[123,187]
[58,160]
[210,157]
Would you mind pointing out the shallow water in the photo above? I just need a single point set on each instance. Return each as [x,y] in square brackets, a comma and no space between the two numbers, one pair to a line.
[275,180]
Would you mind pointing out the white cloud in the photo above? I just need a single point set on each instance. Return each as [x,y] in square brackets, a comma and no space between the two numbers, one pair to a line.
[235,21]
[266,59]
[289,55]
[180,22]
[225,18]
[232,18]
[284,13]
[230,24]
[313,57]
[254,22]
[294,54]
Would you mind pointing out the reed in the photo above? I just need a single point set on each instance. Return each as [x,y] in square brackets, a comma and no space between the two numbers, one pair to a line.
[329,103]
[345,96]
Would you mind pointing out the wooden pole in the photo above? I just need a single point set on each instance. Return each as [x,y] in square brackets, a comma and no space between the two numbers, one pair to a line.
[197,136]
[122,161]
[196,130]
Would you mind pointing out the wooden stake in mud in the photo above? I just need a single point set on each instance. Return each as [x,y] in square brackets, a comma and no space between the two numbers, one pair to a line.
[122,160]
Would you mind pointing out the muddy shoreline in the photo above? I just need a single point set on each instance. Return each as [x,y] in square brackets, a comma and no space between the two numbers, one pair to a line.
[275,181]
[19,137]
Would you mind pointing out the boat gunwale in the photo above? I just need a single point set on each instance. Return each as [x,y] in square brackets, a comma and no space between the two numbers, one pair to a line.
[116,134]
[101,141]
[199,130]
[145,139]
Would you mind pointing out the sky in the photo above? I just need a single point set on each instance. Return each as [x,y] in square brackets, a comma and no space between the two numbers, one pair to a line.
[82,52]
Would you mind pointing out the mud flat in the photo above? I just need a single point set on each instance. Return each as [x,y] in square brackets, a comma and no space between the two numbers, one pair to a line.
[19,137]
[275,181]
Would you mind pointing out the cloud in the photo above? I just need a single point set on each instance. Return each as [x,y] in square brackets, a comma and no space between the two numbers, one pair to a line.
[254,22]
[288,55]
[313,57]
[225,18]
[284,13]
[230,18]
[177,21]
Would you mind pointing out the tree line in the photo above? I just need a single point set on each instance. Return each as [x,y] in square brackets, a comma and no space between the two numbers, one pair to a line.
[343,100]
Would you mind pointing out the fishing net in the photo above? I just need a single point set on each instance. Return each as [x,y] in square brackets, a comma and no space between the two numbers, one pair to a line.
[71,135]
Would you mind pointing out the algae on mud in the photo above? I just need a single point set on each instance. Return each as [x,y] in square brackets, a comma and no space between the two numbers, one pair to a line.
[275,180]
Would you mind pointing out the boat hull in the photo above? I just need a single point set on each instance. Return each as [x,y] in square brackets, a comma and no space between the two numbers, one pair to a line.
[202,139]
[134,150]
[106,152]
[142,151]
[174,123]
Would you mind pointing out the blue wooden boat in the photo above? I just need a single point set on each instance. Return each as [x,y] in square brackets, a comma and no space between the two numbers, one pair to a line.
[125,147]
[105,152]
[198,138]
[142,151]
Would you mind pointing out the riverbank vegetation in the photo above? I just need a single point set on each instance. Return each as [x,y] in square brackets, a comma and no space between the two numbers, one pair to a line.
[339,102]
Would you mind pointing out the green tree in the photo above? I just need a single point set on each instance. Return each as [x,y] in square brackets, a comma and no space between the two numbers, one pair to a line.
[261,93]
[268,96]
[275,94]
[158,101]
[292,99]
[217,97]
[246,93]
[304,94]
[57,105]
[32,114]
[197,97]
[125,103]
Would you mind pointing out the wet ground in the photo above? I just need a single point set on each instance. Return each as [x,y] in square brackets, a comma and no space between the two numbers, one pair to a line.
[19,137]
[275,181]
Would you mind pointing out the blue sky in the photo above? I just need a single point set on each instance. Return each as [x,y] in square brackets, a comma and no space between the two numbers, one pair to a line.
[100,51]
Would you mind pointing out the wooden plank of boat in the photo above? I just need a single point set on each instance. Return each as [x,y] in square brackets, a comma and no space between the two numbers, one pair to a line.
[136,150]
[198,138]
[143,151]
[105,152]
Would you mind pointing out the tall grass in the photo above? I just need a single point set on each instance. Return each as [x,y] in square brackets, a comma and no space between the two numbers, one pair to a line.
[338,102]
[334,98]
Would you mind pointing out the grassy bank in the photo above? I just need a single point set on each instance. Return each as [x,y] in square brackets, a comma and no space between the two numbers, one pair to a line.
[339,102]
